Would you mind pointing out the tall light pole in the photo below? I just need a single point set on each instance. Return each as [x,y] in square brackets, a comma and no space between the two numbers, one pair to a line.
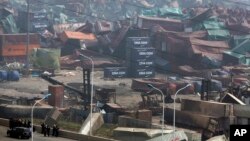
[32,109]
[163,108]
[174,104]
[92,89]
[28,36]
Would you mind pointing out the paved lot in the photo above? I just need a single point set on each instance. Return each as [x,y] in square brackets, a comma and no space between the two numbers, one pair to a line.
[37,137]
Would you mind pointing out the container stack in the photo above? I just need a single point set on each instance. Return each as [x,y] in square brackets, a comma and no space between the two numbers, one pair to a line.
[140,57]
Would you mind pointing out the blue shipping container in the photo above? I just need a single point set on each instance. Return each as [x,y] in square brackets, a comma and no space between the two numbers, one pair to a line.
[141,53]
[141,64]
[138,42]
[115,72]
[142,73]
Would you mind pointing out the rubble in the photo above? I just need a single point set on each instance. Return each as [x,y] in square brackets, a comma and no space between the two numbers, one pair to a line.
[193,41]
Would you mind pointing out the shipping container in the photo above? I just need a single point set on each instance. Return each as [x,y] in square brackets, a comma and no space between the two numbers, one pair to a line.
[115,72]
[57,96]
[141,53]
[144,115]
[73,36]
[34,16]
[134,42]
[38,26]
[103,27]
[142,73]
[139,32]
[15,44]
[40,15]
[141,63]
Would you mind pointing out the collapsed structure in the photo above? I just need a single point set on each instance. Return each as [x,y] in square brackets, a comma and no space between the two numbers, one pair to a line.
[202,44]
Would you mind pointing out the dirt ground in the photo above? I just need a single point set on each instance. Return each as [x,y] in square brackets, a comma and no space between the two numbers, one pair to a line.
[33,86]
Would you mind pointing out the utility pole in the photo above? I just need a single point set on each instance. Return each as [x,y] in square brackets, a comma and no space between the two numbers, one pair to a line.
[28,37]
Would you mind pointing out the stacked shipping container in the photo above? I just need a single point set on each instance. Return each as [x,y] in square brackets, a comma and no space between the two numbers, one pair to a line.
[115,72]
[38,21]
[140,57]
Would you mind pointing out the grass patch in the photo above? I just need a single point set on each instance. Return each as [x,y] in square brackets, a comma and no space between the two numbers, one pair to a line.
[106,130]
[72,126]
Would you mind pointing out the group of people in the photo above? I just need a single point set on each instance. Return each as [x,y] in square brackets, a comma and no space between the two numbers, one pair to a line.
[19,123]
[46,130]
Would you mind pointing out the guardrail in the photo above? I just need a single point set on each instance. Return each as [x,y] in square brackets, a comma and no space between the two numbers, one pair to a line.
[64,133]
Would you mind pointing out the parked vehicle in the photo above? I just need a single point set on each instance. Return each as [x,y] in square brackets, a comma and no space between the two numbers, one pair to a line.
[19,132]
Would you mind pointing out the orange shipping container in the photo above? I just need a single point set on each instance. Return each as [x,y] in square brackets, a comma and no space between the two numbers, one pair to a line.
[66,35]
[16,44]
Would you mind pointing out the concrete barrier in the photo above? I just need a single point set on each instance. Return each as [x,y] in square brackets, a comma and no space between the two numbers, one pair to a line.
[97,122]
[64,133]
[8,111]
[125,121]
[4,122]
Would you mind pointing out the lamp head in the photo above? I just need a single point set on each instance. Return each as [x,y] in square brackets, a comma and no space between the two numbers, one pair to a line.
[189,85]
[150,85]
[47,95]
[81,55]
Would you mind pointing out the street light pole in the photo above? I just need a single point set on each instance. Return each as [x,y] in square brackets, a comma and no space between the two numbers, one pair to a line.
[174,104]
[32,109]
[92,89]
[163,108]
[28,36]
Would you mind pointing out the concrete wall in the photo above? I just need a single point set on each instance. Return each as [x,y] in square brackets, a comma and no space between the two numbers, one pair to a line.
[17,111]
[96,123]
[125,121]
[208,108]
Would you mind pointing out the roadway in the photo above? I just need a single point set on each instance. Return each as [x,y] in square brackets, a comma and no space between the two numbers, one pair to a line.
[37,137]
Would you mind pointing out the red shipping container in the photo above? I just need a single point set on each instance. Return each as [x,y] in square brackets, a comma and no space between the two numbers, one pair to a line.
[57,95]
[144,115]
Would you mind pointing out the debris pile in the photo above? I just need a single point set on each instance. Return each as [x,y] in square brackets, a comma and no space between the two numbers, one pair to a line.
[202,44]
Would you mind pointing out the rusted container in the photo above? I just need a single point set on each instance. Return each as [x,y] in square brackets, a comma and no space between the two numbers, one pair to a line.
[70,35]
[57,95]
[15,44]
[144,115]
[130,114]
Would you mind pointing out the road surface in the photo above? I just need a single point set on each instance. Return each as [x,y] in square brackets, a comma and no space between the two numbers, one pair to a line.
[37,137]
